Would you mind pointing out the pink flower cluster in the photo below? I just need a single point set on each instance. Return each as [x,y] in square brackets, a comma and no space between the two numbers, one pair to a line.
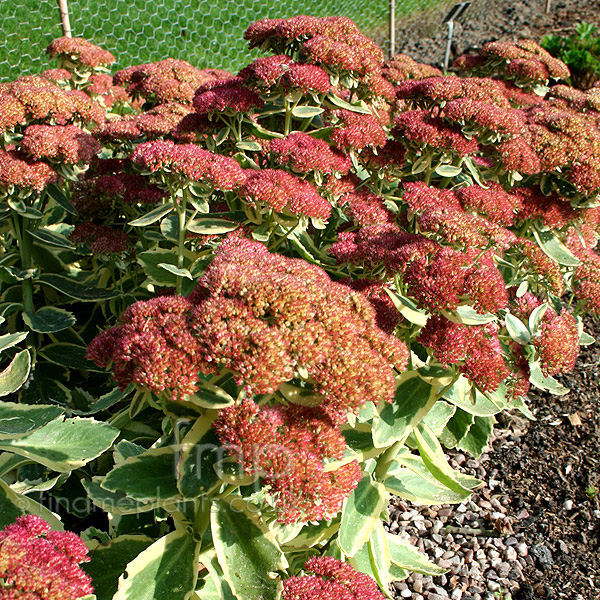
[303,153]
[286,446]
[230,96]
[101,239]
[283,192]
[191,162]
[168,80]
[418,128]
[20,171]
[354,131]
[66,143]
[475,348]
[402,67]
[330,579]
[37,563]
[33,98]
[81,51]
[261,316]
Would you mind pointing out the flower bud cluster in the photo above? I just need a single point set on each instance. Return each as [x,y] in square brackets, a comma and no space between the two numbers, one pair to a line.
[286,447]
[56,143]
[80,50]
[37,563]
[168,80]
[327,578]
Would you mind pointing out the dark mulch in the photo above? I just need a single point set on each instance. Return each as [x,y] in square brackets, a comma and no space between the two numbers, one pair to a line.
[551,471]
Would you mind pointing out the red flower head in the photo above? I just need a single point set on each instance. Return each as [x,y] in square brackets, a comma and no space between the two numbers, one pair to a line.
[80,50]
[67,144]
[102,239]
[19,171]
[39,564]
[190,161]
[558,343]
[267,70]
[304,153]
[418,127]
[168,80]
[306,78]
[286,446]
[402,67]
[356,131]
[282,191]
[476,348]
[230,96]
[331,579]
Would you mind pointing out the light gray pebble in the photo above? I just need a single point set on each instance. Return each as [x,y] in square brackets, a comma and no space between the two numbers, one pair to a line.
[461,508]
[493,586]
[456,594]
[503,569]
[437,538]
[448,554]
[436,526]
[445,512]
[522,549]
[510,554]
[406,593]
[417,597]
[511,541]
[493,554]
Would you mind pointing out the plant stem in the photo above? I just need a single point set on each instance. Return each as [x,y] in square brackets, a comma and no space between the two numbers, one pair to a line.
[385,460]
[181,212]
[25,248]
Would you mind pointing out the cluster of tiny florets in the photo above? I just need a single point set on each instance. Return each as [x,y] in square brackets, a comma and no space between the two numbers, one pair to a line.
[37,99]
[189,161]
[402,67]
[286,446]
[67,144]
[101,239]
[81,51]
[168,80]
[304,153]
[18,170]
[261,316]
[475,348]
[355,131]
[327,578]
[37,563]
[282,191]
[230,96]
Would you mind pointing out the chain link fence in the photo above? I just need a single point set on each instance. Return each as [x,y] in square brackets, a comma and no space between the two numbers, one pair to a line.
[205,33]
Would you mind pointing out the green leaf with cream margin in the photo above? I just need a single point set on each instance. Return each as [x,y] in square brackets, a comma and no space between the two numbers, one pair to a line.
[247,551]
[109,561]
[17,420]
[413,399]
[64,445]
[360,514]
[166,570]
[406,556]
[13,505]
[147,477]
[16,374]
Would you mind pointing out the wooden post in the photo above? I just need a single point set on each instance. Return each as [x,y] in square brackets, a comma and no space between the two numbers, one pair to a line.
[64,17]
[548,4]
[392,28]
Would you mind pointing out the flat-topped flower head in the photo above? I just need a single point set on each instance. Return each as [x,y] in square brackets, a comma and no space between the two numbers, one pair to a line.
[327,578]
[306,78]
[476,348]
[284,192]
[355,131]
[81,51]
[438,90]
[101,239]
[169,80]
[365,208]
[230,96]
[191,162]
[37,563]
[58,75]
[101,87]
[260,316]
[303,153]
[17,170]
[418,128]
[266,71]
[286,446]
[492,201]
[42,101]
[558,343]
[65,144]
[484,115]
[402,67]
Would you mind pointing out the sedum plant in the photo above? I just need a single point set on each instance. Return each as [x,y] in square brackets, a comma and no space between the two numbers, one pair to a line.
[260,304]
